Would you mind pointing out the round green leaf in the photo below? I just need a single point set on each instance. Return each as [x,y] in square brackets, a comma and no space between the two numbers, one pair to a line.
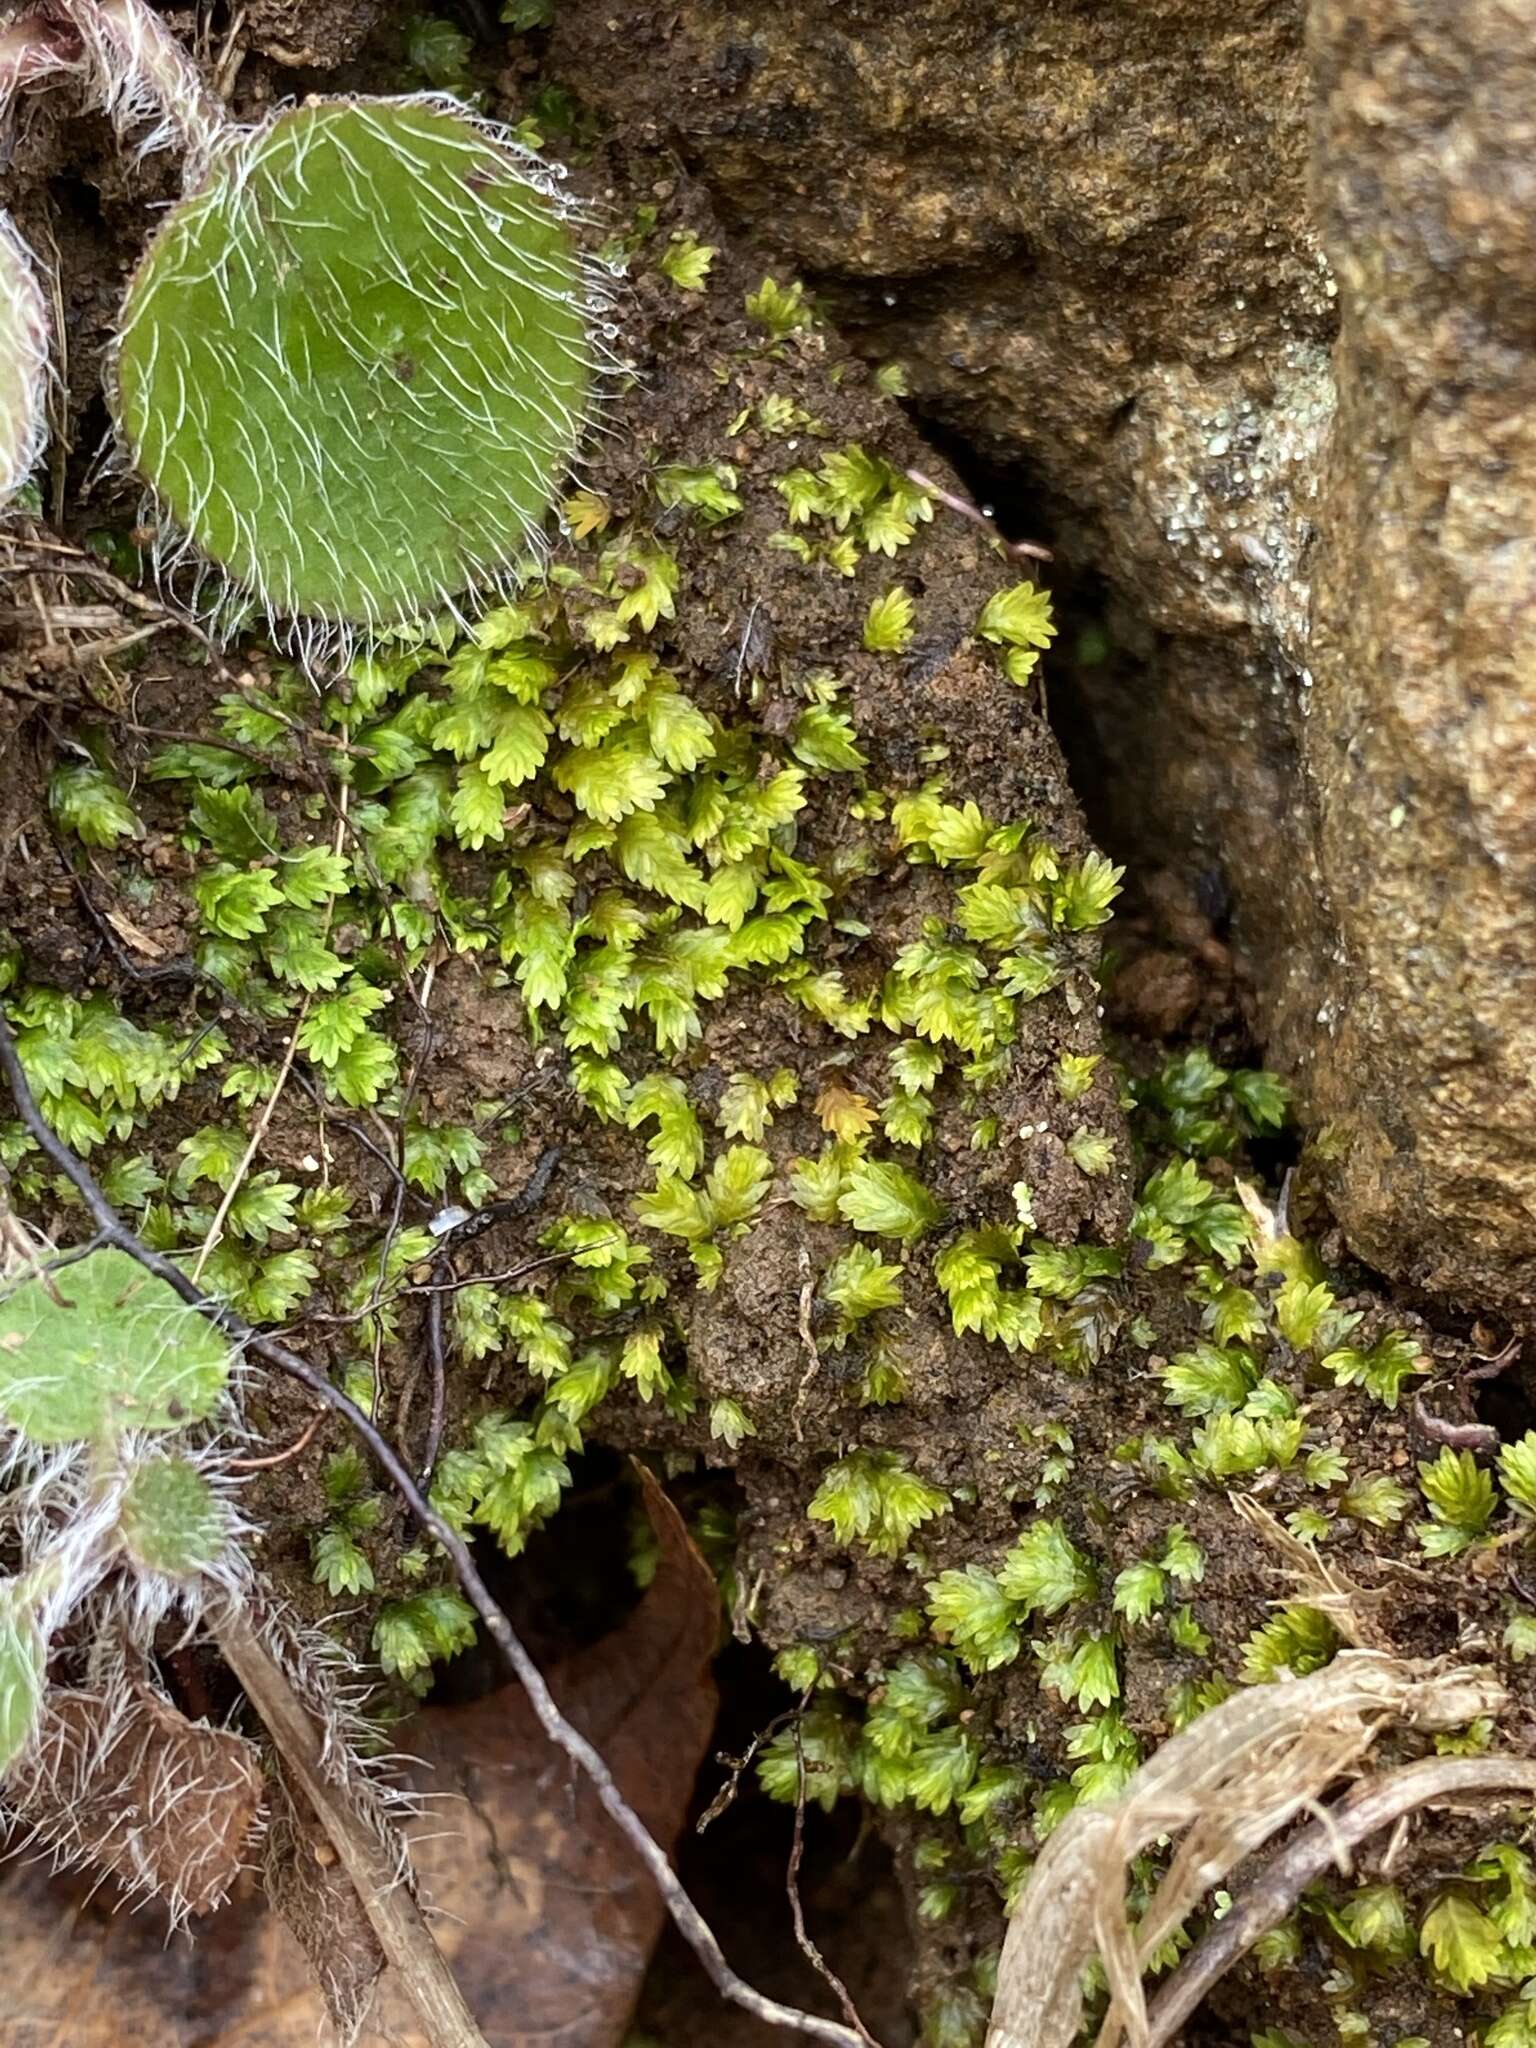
[22,1667]
[102,1346]
[355,364]
[171,1519]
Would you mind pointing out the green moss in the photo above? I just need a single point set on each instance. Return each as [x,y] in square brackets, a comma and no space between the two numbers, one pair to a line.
[672,879]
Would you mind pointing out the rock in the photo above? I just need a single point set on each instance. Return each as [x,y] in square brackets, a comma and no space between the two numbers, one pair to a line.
[1156,993]
[1085,233]
[1421,746]
[1091,235]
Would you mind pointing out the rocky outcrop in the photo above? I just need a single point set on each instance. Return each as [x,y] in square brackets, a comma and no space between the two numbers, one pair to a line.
[1085,232]
[1421,748]
[1112,244]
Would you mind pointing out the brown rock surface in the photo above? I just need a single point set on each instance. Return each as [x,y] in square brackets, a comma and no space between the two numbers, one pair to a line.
[1421,747]
[1084,229]
[1090,233]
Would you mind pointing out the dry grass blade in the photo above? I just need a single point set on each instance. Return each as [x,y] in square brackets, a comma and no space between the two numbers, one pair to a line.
[1362,1812]
[1318,1582]
[1242,1771]
[304,1882]
[373,1867]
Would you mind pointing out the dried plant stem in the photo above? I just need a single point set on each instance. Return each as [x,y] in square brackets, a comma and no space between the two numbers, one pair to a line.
[684,1914]
[1226,1784]
[1362,1812]
[1031,549]
[403,1934]
[216,1227]
[806,1945]
[269,1459]
[141,73]
[31,50]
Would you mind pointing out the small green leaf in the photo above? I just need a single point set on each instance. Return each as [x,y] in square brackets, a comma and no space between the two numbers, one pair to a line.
[884,1199]
[235,822]
[686,261]
[888,622]
[1462,1942]
[780,308]
[1045,1571]
[1517,1473]
[88,802]
[103,1347]
[1019,618]
[340,1563]
[171,1520]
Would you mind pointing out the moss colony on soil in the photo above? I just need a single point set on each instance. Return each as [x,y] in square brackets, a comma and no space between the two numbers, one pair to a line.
[734,860]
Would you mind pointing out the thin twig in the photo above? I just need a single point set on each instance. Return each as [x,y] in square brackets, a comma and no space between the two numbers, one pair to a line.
[1461,1436]
[184,970]
[968,510]
[175,735]
[342,1319]
[807,1342]
[443,1283]
[807,1947]
[455,1285]
[738,1766]
[437,1366]
[227,1202]
[90,570]
[1371,1806]
[392,1911]
[359,1135]
[684,1914]
[301,1443]
[1489,1368]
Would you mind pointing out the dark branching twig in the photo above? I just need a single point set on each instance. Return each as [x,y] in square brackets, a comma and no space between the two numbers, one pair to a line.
[685,1916]
[807,1947]
[1371,1806]
[107,935]
[443,1283]
[738,1766]
[437,1368]
[509,1208]
[359,1136]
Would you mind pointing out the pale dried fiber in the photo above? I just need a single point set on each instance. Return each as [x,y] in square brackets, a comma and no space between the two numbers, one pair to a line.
[24,343]
[1232,1778]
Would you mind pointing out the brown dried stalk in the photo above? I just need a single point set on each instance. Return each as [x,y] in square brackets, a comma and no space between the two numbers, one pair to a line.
[1362,1812]
[1232,1779]
[392,1910]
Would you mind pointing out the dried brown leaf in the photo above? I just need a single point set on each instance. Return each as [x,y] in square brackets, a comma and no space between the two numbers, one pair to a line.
[129,1785]
[543,1911]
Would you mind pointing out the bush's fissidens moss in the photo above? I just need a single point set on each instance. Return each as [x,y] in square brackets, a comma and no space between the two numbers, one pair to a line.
[356,362]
